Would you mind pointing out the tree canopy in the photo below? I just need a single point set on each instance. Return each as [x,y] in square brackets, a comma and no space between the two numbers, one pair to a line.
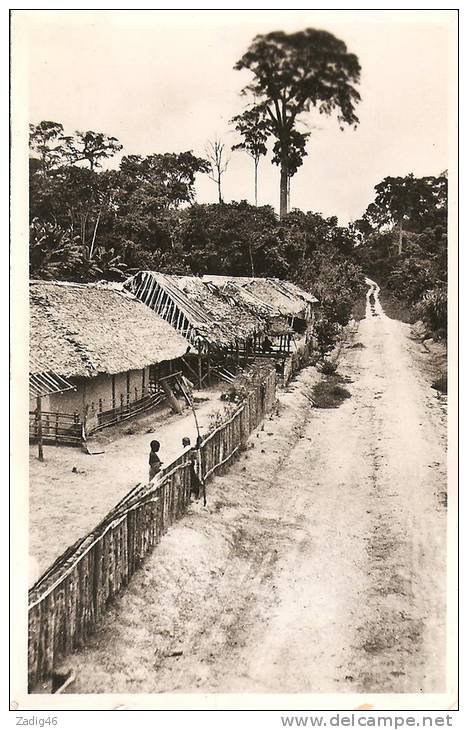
[293,74]
[409,203]
[87,223]
[91,147]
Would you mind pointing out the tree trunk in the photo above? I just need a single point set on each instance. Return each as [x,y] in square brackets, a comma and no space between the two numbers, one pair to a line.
[283,190]
[256,182]
[83,229]
[400,237]
[91,250]
[251,261]
[220,197]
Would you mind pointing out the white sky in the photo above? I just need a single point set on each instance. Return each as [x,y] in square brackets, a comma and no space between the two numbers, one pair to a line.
[164,81]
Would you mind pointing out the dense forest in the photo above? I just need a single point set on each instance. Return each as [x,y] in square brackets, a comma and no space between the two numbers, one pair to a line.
[88,224]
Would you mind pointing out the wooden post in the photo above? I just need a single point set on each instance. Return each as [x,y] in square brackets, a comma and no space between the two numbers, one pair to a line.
[209,365]
[237,353]
[39,428]
[199,370]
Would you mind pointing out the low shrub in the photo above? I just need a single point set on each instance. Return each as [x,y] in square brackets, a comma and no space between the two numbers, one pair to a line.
[359,309]
[433,310]
[396,308]
[326,333]
[246,381]
[327,367]
[329,393]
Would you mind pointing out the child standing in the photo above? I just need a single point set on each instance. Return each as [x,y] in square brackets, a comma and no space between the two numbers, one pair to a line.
[154,460]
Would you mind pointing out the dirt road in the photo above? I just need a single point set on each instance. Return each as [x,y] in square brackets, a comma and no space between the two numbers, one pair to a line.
[319,563]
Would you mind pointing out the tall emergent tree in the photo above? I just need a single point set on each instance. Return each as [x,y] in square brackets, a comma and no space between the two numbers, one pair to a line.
[294,73]
[253,128]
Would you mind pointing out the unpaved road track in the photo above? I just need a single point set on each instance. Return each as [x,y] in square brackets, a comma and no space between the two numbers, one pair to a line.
[319,564]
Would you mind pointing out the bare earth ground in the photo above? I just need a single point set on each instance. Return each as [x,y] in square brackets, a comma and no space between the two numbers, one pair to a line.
[319,562]
[66,505]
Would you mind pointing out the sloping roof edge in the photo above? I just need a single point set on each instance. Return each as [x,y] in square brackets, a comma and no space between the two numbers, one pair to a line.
[82,330]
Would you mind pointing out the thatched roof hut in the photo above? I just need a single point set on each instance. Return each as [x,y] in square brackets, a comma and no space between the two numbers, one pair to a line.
[198,308]
[81,330]
[277,297]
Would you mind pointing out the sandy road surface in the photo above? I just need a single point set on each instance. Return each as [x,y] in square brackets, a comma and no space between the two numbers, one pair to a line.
[319,563]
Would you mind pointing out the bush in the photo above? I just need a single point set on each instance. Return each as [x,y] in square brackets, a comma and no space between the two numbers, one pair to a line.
[395,308]
[329,393]
[433,310]
[246,381]
[326,333]
[328,367]
[358,311]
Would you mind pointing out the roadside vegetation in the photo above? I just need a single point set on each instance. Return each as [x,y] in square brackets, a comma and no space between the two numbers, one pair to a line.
[330,393]
[404,248]
[396,308]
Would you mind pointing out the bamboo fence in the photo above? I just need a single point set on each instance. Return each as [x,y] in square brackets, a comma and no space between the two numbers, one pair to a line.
[69,599]
[57,428]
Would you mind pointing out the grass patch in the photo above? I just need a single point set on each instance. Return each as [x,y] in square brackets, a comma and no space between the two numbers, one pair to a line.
[396,308]
[329,393]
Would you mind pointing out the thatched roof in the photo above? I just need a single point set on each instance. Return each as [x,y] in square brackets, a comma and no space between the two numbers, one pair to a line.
[81,330]
[235,287]
[269,291]
[280,297]
[217,317]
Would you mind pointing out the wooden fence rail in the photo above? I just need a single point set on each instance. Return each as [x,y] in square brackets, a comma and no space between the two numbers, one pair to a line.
[57,428]
[70,598]
[127,410]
